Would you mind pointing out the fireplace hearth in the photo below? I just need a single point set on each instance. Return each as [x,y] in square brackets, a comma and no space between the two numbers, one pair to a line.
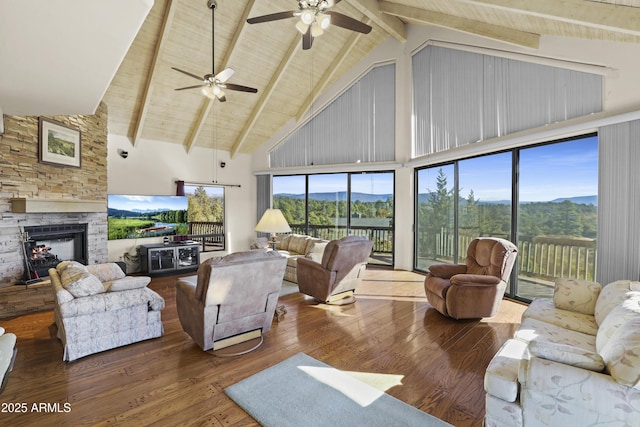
[47,245]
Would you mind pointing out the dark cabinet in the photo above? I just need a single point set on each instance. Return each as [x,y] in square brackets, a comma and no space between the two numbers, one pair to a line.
[160,258]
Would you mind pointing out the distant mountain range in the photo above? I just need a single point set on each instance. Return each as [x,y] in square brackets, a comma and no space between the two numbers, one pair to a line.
[369,198]
[133,213]
[341,196]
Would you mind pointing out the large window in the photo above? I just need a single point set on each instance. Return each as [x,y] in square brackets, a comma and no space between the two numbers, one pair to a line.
[331,206]
[543,198]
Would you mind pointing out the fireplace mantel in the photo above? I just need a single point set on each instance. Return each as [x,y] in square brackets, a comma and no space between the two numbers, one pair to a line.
[25,205]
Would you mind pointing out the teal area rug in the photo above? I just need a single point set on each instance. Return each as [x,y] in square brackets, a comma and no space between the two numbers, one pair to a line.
[302,391]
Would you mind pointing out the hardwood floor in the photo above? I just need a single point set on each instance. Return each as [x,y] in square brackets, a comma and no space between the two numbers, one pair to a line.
[391,329]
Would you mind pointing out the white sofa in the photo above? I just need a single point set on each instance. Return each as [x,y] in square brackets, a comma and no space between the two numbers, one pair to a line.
[574,361]
[7,356]
[294,247]
[98,307]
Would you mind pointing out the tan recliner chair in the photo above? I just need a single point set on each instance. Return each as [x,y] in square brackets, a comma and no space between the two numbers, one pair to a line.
[336,277]
[232,299]
[472,290]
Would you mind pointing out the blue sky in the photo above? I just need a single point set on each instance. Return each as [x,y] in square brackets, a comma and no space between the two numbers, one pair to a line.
[325,183]
[547,172]
[131,202]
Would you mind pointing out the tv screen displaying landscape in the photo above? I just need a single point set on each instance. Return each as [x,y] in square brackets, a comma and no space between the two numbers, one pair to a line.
[135,217]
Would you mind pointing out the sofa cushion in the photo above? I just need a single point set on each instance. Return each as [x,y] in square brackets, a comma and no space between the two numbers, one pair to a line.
[621,353]
[501,377]
[610,296]
[298,243]
[532,329]
[546,311]
[576,295]
[126,283]
[316,250]
[107,271]
[282,242]
[80,283]
[567,354]
[627,309]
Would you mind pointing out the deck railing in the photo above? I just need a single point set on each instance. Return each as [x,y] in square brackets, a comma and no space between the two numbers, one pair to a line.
[540,257]
[382,237]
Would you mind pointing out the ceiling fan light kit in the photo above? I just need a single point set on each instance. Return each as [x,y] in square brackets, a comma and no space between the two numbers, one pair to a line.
[314,19]
[213,84]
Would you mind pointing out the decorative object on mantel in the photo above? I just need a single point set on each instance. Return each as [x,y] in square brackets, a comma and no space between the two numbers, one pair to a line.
[24,205]
[58,143]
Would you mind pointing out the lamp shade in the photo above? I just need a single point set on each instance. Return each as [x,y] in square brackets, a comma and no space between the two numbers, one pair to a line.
[273,221]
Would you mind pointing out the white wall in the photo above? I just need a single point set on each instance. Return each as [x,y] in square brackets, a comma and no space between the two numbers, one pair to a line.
[621,93]
[152,167]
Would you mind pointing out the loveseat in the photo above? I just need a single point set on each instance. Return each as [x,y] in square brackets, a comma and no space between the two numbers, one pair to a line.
[7,356]
[296,246]
[574,361]
[98,307]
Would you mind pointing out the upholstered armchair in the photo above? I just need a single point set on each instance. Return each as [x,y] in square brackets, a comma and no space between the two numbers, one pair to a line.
[232,299]
[7,356]
[339,272]
[472,290]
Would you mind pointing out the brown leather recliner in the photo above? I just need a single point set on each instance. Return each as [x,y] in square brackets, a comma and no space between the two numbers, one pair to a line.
[340,271]
[472,290]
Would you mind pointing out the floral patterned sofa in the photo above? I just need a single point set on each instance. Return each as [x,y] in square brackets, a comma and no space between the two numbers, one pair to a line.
[295,246]
[574,361]
[98,307]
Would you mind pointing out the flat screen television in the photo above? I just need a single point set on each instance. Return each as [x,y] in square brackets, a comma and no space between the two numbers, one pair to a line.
[136,217]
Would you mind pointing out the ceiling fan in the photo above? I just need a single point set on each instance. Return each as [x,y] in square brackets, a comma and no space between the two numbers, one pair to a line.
[314,19]
[213,85]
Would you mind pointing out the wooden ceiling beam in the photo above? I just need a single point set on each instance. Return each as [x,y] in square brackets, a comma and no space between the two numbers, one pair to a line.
[391,24]
[494,32]
[203,114]
[146,95]
[278,75]
[604,16]
[330,72]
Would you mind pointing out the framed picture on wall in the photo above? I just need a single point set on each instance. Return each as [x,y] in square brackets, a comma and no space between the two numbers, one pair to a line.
[59,144]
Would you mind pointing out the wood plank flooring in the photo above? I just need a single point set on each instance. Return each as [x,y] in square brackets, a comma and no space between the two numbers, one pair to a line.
[169,381]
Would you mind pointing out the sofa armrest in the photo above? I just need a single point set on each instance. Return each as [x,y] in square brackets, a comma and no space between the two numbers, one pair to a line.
[446,271]
[575,396]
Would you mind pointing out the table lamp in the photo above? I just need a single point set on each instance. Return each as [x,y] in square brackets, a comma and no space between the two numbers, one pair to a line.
[273,222]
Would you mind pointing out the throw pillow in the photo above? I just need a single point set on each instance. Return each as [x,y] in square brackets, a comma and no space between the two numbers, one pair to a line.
[80,283]
[627,309]
[576,295]
[316,251]
[106,271]
[610,296]
[567,354]
[126,283]
[621,354]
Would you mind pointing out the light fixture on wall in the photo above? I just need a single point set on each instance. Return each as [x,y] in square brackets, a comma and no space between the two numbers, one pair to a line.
[273,221]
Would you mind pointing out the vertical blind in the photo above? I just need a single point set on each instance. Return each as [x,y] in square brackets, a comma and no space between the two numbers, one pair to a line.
[358,126]
[618,202]
[263,190]
[462,97]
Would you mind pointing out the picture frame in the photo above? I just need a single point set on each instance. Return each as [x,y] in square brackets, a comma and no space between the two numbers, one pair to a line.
[59,144]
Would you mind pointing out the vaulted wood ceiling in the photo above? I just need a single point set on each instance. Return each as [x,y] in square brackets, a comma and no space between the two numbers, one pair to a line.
[143,104]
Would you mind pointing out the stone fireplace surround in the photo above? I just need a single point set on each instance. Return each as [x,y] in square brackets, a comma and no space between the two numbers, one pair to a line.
[12,267]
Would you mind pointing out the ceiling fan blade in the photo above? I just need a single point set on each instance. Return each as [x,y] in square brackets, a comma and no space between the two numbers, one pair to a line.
[307,40]
[240,88]
[224,75]
[344,21]
[333,2]
[190,87]
[187,73]
[271,17]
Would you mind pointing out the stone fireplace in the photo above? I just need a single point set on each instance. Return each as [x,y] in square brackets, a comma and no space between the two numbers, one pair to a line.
[47,245]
